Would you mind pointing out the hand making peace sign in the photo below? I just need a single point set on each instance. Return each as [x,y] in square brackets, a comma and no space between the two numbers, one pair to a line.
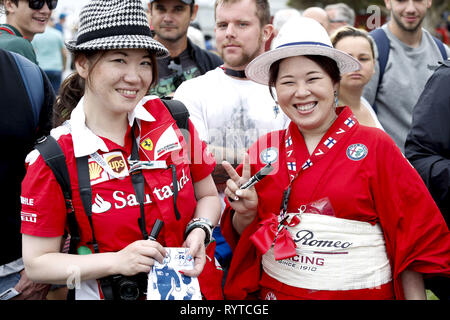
[243,201]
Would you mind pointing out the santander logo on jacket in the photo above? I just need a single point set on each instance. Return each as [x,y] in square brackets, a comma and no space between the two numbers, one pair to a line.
[120,199]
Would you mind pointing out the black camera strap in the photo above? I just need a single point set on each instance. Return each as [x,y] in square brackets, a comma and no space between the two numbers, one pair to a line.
[138,181]
[84,185]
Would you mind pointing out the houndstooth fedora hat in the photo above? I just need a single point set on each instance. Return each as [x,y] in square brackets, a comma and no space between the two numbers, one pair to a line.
[115,24]
[184,1]
[299,37]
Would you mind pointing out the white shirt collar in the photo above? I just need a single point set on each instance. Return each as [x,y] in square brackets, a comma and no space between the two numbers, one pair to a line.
[86,142]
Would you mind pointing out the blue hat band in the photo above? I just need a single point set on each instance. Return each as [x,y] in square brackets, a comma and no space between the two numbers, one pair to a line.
[304,43]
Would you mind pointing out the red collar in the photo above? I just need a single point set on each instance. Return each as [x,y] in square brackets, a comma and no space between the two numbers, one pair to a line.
[11,32]
[8,30]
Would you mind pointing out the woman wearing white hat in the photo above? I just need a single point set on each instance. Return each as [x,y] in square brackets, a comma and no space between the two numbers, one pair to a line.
[343,214]
[115,135]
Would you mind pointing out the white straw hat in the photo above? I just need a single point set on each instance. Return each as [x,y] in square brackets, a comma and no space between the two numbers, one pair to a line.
[298,37]
[115,24]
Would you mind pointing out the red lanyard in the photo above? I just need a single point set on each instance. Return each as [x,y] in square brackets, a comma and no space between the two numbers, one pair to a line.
[337,131]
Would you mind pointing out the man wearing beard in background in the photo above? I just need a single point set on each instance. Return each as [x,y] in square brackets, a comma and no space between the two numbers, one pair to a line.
[170,20]
[230,111]
[412,58]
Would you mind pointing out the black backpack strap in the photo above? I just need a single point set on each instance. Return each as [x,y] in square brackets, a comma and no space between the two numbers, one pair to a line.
[53,156]
[383,46]
[441,48]
[181,115]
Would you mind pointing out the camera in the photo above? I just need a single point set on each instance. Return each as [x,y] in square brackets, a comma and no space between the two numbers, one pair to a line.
[120,287]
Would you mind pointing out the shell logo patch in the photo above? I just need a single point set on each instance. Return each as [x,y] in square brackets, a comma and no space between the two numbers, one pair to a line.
[357,152]
[269,155]
[147,144]
[95,171]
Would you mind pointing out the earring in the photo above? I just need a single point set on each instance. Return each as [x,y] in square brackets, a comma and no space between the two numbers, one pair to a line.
[336,99]
[276,109]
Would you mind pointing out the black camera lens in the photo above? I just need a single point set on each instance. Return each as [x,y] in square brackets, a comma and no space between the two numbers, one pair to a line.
[128,290]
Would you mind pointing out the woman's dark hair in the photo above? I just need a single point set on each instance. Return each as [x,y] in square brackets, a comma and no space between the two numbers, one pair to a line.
[73,87]
[327,64]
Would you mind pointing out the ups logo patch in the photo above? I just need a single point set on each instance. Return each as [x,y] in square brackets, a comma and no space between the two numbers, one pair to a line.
[117,163]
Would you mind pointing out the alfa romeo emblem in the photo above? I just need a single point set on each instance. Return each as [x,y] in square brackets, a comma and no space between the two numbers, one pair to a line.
[357,152]
[269,155]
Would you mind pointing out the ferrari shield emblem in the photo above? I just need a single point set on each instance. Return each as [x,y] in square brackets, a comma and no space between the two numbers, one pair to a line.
[147,144]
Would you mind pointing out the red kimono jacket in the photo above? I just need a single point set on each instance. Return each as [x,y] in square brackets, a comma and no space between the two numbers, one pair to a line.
[376,185]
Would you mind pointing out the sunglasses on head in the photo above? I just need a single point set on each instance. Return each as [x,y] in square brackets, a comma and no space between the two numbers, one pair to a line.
[177,71]
[38,4]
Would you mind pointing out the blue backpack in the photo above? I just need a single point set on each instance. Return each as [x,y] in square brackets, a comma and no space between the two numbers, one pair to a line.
[34,83]
[383,46]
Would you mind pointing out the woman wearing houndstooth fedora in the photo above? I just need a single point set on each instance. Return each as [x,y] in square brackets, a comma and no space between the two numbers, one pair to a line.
[129,166]
[341,216]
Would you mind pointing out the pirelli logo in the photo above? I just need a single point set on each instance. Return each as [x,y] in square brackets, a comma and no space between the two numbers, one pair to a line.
[28,217]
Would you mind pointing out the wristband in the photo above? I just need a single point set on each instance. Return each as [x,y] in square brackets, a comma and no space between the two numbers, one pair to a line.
[202,223]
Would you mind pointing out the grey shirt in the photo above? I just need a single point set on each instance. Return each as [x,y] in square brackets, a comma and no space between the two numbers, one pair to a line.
[407,71]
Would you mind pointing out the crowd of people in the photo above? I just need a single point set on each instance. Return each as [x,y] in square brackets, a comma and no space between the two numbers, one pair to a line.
[352,124]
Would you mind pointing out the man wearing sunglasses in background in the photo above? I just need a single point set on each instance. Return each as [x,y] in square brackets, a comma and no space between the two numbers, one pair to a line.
[18,132]
[23,20]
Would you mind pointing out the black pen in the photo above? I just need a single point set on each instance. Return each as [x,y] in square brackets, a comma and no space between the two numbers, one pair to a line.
[254,179]
[156,229]
[258,176]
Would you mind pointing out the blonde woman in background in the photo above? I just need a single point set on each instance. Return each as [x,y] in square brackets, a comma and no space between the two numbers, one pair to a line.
[357,43]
